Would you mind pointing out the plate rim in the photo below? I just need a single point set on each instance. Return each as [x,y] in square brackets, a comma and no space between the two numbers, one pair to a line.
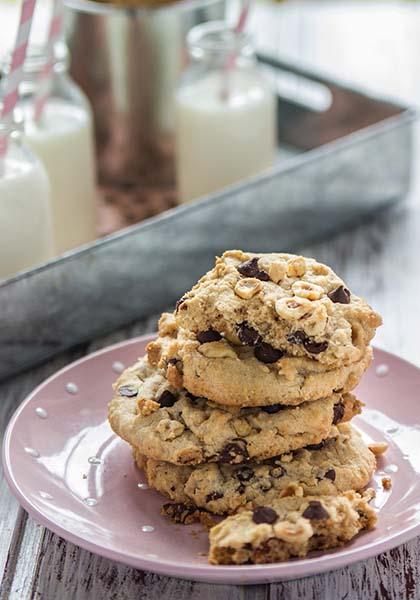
[228,574]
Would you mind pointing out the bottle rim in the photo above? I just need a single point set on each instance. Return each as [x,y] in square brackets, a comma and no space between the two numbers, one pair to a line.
[216,37]
[36,58]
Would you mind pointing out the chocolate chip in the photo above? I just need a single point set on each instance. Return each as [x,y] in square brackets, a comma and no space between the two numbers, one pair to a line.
[315,446]
[234,452]
[298,337]
[340,295]
[179,303]
[204,337]
[167,399]
[250,268]
[277,472]
[192,397]
[214,496]
[248,335]
[266,353]
[128,390]
[315,511]
[173,361]
[315,347]
[178,512]
[273,408]
[338,412]
[240,489]
[244,473]
[330,474]
[264,514]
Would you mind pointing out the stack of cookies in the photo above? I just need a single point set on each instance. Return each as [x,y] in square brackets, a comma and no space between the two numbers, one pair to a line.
[243,402]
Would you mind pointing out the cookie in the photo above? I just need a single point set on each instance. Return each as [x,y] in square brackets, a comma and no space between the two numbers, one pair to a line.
[231,375]
[279,305]
[170,425]
[290,527]
[334,466]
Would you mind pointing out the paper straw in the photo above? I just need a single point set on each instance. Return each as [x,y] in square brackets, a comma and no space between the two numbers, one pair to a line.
[243,17]
[230,63]
[14,77]
[45,77]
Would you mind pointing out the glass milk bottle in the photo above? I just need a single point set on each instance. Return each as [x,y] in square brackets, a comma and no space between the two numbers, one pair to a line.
[25,214]
[225,113]
[63,140]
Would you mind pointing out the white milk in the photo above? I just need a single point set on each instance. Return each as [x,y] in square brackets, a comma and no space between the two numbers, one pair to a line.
[220,142]
[63,141]
[25,221]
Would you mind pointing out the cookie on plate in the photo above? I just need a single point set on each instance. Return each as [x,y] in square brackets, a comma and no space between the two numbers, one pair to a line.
[172,425]
[279,305]
[290,527]
[336,465]
[231,375]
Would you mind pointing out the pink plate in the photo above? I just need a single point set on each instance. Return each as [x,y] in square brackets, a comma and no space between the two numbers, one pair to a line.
[73,475]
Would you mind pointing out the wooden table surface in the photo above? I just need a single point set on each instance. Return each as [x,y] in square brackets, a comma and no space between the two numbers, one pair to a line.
[377,45]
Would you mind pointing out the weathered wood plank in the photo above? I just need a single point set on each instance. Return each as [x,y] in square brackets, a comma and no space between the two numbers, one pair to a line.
[12,392]
[394,575]
[68,572]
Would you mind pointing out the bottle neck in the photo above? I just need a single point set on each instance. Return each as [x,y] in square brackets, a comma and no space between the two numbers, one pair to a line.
[35,62]
[215,45]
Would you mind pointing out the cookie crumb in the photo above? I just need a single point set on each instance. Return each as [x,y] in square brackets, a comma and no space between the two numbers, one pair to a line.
[183,514]
[386,483]
[378,448]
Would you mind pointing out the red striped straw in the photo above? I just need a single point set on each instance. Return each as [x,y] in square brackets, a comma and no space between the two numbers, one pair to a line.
[230,63]
[45,77]
[243,17]
[11,87]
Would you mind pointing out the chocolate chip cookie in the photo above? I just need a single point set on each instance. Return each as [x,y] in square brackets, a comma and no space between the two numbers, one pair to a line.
[172,425]
[230,374]
[278,305]
[290,527]
[328,468]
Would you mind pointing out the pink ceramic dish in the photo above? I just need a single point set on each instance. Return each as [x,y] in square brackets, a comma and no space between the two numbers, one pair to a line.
[73,475]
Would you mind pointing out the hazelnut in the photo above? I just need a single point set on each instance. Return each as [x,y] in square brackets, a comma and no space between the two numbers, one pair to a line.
[147,406]
[320,269]
[386,483]
[296,267]
[277,270]
[300,531]
[219,349]
[293,308]
[378,448]
[304,289]
[169,429]
[316,322]
[247,288]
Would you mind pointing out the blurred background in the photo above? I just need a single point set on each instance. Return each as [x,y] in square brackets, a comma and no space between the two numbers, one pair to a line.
[371,45]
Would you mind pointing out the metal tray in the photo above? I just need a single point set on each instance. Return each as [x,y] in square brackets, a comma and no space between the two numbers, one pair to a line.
[337,166]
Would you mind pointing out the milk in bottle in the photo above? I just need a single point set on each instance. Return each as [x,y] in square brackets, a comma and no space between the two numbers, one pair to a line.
[63,139]
[25,215]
